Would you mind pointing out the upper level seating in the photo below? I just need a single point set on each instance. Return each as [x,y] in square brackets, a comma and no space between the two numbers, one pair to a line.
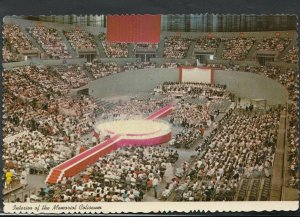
[291,56]
[14,41]
[169,65]
[236,48]
[139,65]
[51,42]
[207,43]
[13,35]
[80,40]
[100,70]
[273,44]
[176,47]
[115,50]
[8,56]
[146,46]
[73,75]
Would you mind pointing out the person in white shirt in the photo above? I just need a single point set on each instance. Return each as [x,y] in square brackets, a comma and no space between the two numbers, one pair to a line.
[24,178]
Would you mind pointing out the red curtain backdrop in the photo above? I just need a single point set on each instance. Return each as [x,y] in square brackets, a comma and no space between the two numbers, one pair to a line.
[133,28]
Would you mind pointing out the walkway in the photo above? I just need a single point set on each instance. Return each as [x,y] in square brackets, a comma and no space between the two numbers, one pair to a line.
[161,46]
[278,170]
[190,51]
[251,54]
[67,43]
[131,53]
[100,48]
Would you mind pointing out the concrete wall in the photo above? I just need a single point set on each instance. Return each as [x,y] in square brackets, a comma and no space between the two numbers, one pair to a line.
[78,61]
[244,84]
[161,61]
[131,82]
[120,61]
[252,86]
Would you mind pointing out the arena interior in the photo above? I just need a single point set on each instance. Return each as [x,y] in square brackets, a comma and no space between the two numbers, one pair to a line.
[205,112]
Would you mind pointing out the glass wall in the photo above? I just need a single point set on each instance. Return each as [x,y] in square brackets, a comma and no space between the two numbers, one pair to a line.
[195,22]
[227,23]
[88,20]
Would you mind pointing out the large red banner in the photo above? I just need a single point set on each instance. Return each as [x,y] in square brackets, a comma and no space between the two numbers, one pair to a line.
[133,28]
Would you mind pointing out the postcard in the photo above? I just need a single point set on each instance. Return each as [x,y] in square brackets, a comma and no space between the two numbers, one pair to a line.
[191,112]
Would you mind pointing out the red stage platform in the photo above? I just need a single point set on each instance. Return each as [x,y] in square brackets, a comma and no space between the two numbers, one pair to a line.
[122,133]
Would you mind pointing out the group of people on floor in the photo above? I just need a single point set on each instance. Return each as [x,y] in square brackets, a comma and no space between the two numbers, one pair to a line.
[124,175]
[241,147]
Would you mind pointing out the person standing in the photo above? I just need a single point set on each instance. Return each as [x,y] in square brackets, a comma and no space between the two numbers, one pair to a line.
[155,185]
[24,178]
[8,179]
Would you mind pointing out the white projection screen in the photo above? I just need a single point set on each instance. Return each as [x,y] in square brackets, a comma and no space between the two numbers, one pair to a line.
[196,74]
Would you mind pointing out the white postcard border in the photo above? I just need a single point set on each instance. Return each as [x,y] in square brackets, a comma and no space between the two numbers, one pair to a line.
[147,207]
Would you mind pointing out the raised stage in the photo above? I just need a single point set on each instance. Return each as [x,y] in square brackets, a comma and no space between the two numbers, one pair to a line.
[147,131]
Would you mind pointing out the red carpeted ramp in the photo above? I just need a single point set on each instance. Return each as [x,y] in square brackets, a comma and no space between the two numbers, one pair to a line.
[161,113]
[78,163]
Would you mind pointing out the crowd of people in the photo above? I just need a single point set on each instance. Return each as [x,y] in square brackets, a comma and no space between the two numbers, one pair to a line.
[136,107]
[193,118]
[293,139]
[207,43]
[80,40]
[195,89]
[176,47]
[273,44]
[13,35]
[236,48]
[145,46]
[115,50]
[169,65]
[242,146]
[100,70]
[50,40]
[125,175]
[291,56]
[74,75]
[8,56]
[42,125]
[139,65]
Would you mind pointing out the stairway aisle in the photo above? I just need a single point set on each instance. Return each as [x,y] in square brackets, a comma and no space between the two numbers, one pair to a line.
[190,51]
[100,48]
[219,51]
[251,53]
[161,46]
[131,50]
[32,40]
[66,42]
